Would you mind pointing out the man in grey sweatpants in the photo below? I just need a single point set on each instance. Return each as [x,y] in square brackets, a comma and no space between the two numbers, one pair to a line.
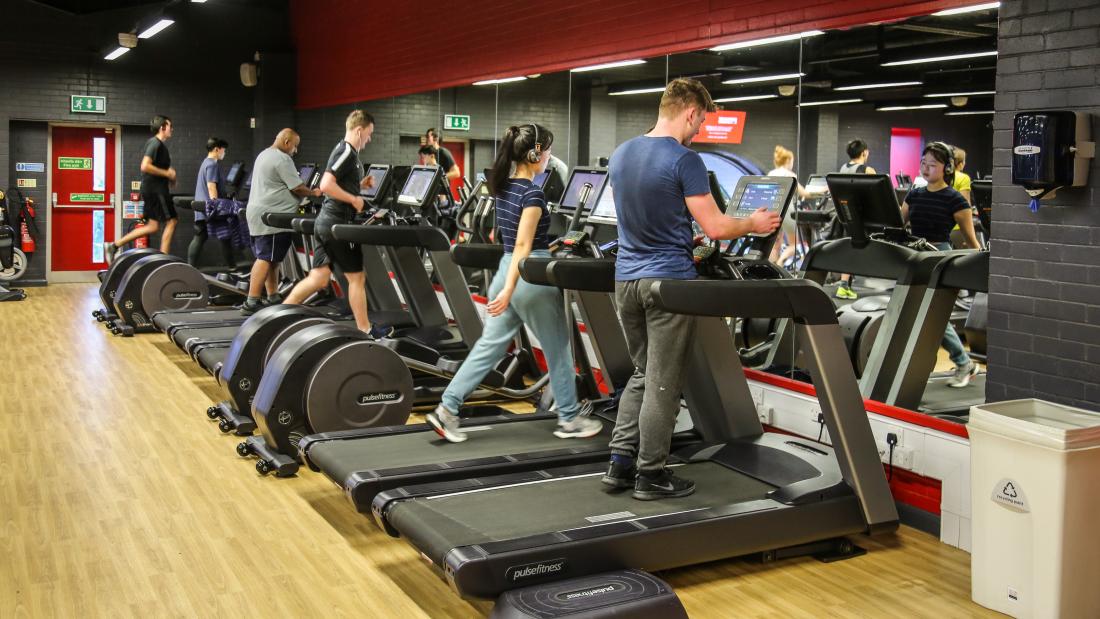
[660,186]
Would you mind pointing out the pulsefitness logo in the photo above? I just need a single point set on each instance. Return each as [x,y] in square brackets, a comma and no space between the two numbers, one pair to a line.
[534,570]
[590,592]
[379,396]
[187,295]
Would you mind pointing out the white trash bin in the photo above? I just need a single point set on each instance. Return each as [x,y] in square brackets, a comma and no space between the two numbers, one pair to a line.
[1035,498]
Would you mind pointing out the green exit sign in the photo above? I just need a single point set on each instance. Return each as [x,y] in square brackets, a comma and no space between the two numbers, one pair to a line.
[86,104]
[456,122]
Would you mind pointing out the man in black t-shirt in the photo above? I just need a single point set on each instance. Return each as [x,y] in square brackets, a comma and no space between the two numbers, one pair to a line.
[343,179]
[157,176]
[444,158]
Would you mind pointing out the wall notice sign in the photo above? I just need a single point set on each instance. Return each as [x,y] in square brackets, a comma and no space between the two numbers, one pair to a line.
[27,183]
[85,197]
[74,163]
[456,122]
[23,166]
[132,209]
[87,104]
[722,127]
[135,185]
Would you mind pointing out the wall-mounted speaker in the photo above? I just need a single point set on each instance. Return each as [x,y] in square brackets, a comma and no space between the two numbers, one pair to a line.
[248,74]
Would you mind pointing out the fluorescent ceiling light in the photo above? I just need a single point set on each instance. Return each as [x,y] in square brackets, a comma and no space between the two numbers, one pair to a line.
[976,93]
[198,1]
[502,80]
[967,9]
[638,91]
[115,54]
[767,41]
[764,78]
[880,85]
[926,106]
[968,112]
[607,65]
[829,102]
[155,28]
[745,98]
[897,63]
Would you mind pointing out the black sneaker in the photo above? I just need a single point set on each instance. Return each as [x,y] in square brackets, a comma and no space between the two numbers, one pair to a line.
[620,475]
[379,332]
[273,299]
[663,485]
[250,307]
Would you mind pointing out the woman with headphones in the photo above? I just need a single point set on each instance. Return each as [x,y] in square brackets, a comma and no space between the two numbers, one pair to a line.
[524,221]
[932,211]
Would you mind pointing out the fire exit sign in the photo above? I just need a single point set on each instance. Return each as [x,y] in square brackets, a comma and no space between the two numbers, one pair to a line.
[456,122]
[87,104]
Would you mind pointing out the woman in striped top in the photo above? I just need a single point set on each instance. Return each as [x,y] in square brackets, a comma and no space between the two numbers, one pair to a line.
[524,221]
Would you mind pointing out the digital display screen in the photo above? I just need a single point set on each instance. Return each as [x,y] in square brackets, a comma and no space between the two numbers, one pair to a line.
[378,174]
[479,177]
[231,177]
[571,199]
[306,172]
[757,195]
[417,186]
[817,184]
[540,180]
[605,208]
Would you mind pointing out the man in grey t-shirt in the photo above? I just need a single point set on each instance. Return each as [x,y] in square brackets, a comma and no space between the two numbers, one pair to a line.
[276,188]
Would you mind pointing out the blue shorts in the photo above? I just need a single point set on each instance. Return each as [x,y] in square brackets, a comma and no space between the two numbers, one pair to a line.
[271,247]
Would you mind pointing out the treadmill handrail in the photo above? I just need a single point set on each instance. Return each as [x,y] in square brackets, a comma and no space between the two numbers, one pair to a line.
[477,255]
[284,220]
[587,274]
[876,259]
[800,299]
[965,271]
[427,237]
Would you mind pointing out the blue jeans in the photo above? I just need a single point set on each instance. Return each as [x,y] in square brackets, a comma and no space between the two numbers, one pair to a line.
[951,342]
[540,308]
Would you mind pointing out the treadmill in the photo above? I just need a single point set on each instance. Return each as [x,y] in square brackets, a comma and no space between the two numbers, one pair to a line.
[366,462]
[757,490]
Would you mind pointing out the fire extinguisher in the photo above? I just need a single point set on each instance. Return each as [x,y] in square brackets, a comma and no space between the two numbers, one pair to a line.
[26,221]
[140,242]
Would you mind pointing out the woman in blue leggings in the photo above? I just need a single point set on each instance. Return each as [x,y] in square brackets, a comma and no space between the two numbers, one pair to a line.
[524,221]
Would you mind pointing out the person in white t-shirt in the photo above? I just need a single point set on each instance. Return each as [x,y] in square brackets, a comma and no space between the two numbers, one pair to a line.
[788,238]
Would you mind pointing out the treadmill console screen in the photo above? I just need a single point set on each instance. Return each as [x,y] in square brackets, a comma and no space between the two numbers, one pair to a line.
[817,184]
[604,213]
[755,192]
[306,172]
[378,173]
[419,183]
[571,199]
[233,176]
[540,180]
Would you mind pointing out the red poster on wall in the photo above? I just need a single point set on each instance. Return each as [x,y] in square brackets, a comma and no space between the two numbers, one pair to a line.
[722,127]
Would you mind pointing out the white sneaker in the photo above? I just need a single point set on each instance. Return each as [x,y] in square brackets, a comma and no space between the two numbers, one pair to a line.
[446,424]
[580,426]
[963,375]
[109,250]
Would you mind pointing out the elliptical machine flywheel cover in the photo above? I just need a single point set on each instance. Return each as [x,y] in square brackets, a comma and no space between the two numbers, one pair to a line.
[290,330]
[360,384]
[174,286]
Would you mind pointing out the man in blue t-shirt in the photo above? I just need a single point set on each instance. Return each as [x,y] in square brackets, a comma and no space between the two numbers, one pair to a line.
[209,185]
[660,187]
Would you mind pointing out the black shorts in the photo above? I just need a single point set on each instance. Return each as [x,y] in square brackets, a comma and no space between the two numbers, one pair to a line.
[158,206]
[271,247]
[348,257]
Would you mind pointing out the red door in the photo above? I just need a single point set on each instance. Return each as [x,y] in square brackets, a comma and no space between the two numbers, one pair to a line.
[458,149]
[905,147]
[82,177]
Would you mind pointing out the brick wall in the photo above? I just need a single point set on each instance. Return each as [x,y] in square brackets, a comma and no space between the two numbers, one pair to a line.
[1044,303]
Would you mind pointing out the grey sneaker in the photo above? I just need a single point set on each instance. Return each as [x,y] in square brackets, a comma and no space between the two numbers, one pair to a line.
[109,251]
[963,375]
[446,424]
[581,426]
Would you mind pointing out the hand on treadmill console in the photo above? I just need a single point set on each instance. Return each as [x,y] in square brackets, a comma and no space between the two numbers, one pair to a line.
[764,221]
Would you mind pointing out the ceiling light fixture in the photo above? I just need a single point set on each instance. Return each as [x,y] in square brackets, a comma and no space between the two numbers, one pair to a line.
[828,102]
[501,80]
[782,38]
[879,85]
[764,78]
[968,9]
[607,65]
[968,113]
[637,91]
[155,28]
[115,54]
[948,57]
[745,98]
[898,108]
[976,93]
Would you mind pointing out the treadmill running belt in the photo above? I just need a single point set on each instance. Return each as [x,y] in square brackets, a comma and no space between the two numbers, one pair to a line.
[940,398]
[209,358]
[206,334]
[339,459]
[164,320]
[438,524]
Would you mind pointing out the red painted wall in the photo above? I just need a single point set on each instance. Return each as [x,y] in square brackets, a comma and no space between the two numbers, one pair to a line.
[353,50]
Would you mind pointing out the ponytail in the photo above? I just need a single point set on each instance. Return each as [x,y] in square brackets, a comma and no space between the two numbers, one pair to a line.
[514,146]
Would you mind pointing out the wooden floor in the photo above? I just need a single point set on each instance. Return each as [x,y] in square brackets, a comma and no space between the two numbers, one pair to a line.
[119,497]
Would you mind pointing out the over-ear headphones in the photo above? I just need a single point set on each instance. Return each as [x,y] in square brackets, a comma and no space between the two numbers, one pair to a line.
[535,153]
[949,167]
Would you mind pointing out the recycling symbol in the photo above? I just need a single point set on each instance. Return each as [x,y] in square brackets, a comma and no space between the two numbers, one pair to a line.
[1010,491]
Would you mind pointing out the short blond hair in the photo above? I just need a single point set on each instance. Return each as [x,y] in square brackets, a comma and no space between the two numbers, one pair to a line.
[682,93]
[960,156]
[782,156]
[358,118]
